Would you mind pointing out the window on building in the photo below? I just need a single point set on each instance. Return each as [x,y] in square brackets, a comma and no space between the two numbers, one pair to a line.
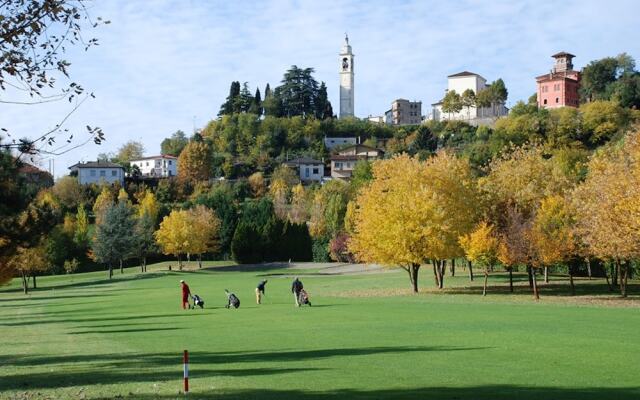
[92,172]
[169,162]
[545,101]
[103,173]
[316,171]
[306,172]
[557,100]
[338,165]
[147,163]
[114,173]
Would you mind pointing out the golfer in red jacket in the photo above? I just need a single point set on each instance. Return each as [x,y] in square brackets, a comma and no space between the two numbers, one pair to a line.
[186,293]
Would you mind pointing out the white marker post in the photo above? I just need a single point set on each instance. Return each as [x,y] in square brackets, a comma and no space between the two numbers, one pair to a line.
[185,361]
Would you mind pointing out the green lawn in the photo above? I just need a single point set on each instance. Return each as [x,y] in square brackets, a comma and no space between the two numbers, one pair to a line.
[83,337]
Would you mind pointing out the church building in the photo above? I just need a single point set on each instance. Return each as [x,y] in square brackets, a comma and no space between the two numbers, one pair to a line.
[346,80]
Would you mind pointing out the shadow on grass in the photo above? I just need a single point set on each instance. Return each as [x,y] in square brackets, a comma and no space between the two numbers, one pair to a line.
[52,380]
[135,360]
[95,319]
[130,330]
[487,392]
[117,278]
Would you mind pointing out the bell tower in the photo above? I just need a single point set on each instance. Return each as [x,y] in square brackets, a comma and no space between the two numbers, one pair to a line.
[346,80]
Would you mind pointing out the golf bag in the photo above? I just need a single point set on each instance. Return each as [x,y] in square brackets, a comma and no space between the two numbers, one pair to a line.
[233,300]
[303,298]
[197,301]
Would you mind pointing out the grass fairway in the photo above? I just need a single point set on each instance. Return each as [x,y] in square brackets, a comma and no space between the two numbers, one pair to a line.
[82,337]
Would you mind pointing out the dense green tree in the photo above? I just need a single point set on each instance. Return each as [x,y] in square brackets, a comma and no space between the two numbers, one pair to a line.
[173,145]
[132,150]
[468,100]
[322,104]
[114,235]
[230,104]
[452,103]
[256,104]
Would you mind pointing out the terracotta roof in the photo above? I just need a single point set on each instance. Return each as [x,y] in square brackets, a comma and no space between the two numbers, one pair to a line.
[556,76]
[152,157]
[303,160]
[562,54]
[351,157]
[96,164]
[360,145]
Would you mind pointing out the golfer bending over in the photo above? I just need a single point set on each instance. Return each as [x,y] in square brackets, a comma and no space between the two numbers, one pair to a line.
[260,291]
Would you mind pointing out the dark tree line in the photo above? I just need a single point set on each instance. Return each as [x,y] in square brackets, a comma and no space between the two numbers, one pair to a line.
[298,95]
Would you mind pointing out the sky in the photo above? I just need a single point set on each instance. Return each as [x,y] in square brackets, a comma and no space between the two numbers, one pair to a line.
[164,65]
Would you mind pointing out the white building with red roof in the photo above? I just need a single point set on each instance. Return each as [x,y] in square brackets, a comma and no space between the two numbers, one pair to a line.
[162,166]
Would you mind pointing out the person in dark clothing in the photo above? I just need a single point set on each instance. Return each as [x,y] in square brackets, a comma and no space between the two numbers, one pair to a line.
[232,300]
[260,291]
[296,287]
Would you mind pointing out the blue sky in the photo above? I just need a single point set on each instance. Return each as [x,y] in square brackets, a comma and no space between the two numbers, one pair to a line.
[163,64]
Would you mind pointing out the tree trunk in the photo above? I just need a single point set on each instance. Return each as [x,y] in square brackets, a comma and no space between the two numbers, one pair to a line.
[606,276]
[530,273]
[486,277]
[470,270]
[511,279]
[535,286]
[413,276]
[589,268]
[546,274]
[573,288]
[626,275]
[614,275]
[435,273]
[441,269]
[34,281]
[110,271]
[199,260]
[121,267]
[144,263]
[452,268]
[180,262]
[25,284]
[619,273]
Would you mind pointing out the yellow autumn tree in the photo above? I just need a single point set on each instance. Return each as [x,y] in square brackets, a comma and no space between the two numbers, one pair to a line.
[607,205]
[279,192]
[204,235]
[123,196]
[481,247]
[298,211]
[414,211]
[148,205]
[103,201]
[28,261]
[174,234]
[553,236]
[195,162]
[257,184]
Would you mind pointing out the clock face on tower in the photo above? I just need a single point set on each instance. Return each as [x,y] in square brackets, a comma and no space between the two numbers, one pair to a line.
[345,64]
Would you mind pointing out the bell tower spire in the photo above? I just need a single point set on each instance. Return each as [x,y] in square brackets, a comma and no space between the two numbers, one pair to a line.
[346,80]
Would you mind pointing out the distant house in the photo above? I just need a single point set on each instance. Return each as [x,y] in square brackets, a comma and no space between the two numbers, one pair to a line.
[332,142]
[35,175]
[309,170]
[162,166]
[98,172]
[343,163]
[560,87]
[474,115]
[404,112]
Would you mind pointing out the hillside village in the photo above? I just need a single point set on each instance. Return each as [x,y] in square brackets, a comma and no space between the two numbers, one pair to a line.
[468,98]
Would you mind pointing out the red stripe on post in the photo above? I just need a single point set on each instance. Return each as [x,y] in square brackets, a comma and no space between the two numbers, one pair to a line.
[185,361]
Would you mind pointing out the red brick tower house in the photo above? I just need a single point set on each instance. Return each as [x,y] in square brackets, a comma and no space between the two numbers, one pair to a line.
[559,88]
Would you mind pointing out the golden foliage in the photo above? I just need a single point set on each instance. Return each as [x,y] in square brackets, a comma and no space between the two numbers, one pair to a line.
[482,245]
[103,201]
[414,211]
[607,203]
[149,205]
[195,162]
[552,231]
